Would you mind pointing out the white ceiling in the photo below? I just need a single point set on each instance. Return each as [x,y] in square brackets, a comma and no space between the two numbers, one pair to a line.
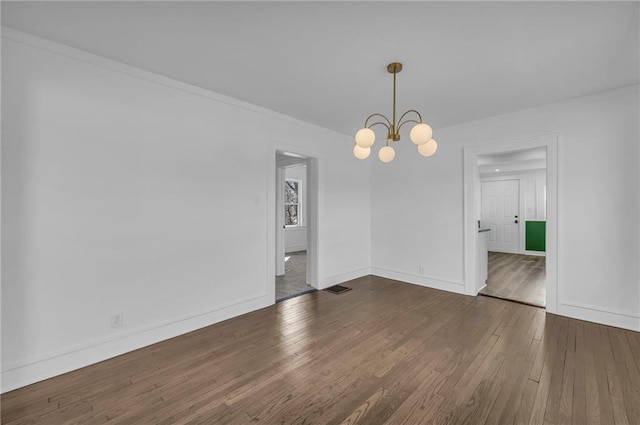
[513,162]
[325,62]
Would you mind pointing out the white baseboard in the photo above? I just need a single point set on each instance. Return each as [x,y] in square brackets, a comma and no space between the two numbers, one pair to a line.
[20,374]
[536,253]
[604,316]
[416,279]
[344,277]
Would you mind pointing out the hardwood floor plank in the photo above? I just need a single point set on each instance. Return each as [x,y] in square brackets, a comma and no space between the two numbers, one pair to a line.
[565,408]
[527,402]
[579,408]
[591,384]
[547,376]
[602,380]
[558,374]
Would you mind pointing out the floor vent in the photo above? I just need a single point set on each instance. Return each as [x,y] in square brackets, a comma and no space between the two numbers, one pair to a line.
[337,289]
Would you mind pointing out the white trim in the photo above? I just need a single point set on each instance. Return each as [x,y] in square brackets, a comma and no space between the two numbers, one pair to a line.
[344,277]
[25,372]
[279,196]
[601,309]
[470,154]
[134,72]
[314,204]
[592,97]
[416,279]
[535,253]
[619,319]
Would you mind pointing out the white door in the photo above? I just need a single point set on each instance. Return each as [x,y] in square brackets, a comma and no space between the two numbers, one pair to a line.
[500,200]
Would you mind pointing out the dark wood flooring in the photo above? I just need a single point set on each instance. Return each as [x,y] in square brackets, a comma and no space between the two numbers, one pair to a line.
[517,277]
[384,353]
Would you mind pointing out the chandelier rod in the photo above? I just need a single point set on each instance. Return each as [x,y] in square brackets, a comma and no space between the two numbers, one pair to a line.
[393,126]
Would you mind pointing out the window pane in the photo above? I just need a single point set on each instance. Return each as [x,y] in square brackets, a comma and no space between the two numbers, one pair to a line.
[291,215]
[291,192]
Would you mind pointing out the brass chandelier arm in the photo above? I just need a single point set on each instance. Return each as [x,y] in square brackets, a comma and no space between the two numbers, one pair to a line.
[377,115]
[401,123]
[409,111]
[406,121]
[381,123]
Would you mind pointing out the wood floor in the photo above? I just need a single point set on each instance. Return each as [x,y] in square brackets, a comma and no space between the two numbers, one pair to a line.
[517,277]
[294,280]
[384,353]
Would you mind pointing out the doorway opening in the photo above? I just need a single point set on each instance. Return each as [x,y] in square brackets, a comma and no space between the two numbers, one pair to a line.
[533,231]
[294,225]
[513,222]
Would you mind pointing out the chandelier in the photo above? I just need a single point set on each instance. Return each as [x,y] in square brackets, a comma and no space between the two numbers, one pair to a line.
[421,133]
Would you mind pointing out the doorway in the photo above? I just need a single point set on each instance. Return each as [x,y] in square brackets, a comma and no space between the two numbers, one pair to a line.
[513,201]
[294,226]
[511,221]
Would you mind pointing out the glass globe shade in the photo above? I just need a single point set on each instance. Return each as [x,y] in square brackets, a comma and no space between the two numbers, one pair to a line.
[361,153]
[365,137]
[428,148]
[421,133]
[386,154]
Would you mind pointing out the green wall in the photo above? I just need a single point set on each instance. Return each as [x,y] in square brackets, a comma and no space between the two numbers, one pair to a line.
[535,235]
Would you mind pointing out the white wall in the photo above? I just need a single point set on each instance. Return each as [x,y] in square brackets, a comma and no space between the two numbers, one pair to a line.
[117,197]
[417,204]
[534,186]
[295,238]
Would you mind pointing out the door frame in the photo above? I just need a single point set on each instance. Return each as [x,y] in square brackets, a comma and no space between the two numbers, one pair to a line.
[313,207]
[471,183]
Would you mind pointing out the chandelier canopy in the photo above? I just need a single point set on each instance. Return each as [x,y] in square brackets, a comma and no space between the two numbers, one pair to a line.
[421,133]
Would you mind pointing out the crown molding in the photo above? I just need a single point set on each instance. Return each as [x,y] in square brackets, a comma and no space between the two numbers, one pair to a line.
[139,73]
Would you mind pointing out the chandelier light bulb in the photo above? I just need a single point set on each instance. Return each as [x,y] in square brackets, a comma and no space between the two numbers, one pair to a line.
[428,148]
[361,153]
[421,133]
[386,154]
[365,137]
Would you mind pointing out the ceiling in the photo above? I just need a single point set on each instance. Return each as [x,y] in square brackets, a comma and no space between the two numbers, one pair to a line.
[325,62]
[513,162]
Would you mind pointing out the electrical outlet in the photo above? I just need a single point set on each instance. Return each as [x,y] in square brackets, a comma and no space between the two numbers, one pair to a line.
[116,320]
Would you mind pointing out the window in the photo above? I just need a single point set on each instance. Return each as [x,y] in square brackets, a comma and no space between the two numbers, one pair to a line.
[292,198]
